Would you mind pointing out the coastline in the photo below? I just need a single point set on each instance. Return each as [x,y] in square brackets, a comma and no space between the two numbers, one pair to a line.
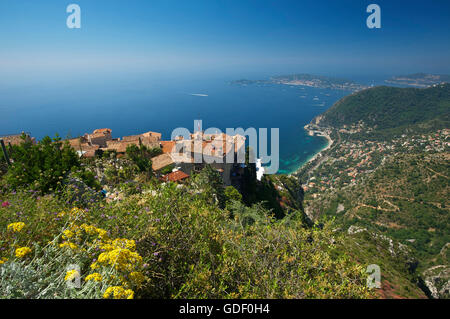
[315,132]
[327,147]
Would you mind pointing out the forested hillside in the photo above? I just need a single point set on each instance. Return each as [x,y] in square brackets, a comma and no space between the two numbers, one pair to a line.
[388,173]
[387,111]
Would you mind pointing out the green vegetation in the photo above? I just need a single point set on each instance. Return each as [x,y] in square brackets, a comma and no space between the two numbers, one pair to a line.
[390,111]
[141,157]
[387,173]
[406,199]
[45,165]
[163,240]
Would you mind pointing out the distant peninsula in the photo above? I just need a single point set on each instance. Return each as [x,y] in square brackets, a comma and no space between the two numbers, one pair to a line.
[419,80]
[303,79]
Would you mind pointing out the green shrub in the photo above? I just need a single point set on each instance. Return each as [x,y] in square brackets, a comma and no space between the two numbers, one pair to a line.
[43,166]
[209,186]
[232,194]
[141,156]
[168,169]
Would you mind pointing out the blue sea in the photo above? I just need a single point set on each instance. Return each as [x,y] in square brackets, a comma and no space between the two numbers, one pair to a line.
[74,105]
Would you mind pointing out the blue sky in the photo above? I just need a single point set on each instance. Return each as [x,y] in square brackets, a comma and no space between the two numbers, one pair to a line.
[240,36]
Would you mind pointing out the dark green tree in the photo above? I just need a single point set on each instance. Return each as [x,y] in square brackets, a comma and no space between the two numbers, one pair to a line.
[209,184]
[141,156]
[43,165]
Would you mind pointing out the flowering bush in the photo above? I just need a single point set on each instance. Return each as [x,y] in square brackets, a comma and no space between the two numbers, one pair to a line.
[115,261]
[166,242]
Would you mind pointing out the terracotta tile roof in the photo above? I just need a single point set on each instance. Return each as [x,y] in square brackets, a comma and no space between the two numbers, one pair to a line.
[147,140]
[217,147]
[98,134]
[152,135]
[77,142]
[131,138]
[181,158]
[119,146]
[89,154]
[150,142]
[214,144]
[102,130]
[167,146]
[16,139]
[161,161]
[89,147]
[175,176]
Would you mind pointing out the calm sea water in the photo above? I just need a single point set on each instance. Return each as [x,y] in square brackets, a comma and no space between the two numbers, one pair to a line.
[143,103]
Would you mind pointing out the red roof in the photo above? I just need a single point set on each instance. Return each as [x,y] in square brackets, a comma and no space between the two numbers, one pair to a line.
[167,146]
[175,176]
[102,130]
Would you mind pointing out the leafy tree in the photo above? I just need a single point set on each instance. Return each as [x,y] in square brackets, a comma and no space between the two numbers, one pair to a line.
[43,165]
[141,157]
[232,194]
[246,216]
[210,185]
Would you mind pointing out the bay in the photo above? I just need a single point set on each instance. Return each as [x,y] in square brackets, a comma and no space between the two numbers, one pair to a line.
[129,105]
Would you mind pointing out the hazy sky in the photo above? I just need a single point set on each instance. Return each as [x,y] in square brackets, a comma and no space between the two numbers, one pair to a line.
[326,37]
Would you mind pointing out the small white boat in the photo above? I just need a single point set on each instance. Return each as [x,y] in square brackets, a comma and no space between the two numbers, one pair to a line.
[198,94]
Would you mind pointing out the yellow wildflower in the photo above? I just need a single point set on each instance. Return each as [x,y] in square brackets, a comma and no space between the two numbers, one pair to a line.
[119,243]
[74,213]
[90,230]
[103,234]
[22,252]
[137,278]
[121,259]
[94,265]
[106,246]
[16,227]
[68,233]
[118,292]
[71,274]
[124,243]
[95,276]
[68,244]
[3,260]
[77,213]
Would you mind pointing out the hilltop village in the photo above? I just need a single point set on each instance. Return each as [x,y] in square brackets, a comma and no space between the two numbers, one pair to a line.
[176,159]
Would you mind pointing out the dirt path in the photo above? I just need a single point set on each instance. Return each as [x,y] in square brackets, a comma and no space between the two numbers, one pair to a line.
[436,173]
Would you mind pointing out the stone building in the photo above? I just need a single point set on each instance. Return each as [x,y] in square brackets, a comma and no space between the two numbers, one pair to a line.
[189,156]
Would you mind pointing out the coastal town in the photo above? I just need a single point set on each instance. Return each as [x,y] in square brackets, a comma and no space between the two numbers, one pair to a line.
[344,162]
[307,80]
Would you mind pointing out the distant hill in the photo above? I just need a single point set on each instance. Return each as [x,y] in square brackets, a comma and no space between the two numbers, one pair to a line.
[419,79]
[390,110]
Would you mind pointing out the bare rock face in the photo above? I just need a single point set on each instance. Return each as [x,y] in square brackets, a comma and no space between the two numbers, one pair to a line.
[437,280]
